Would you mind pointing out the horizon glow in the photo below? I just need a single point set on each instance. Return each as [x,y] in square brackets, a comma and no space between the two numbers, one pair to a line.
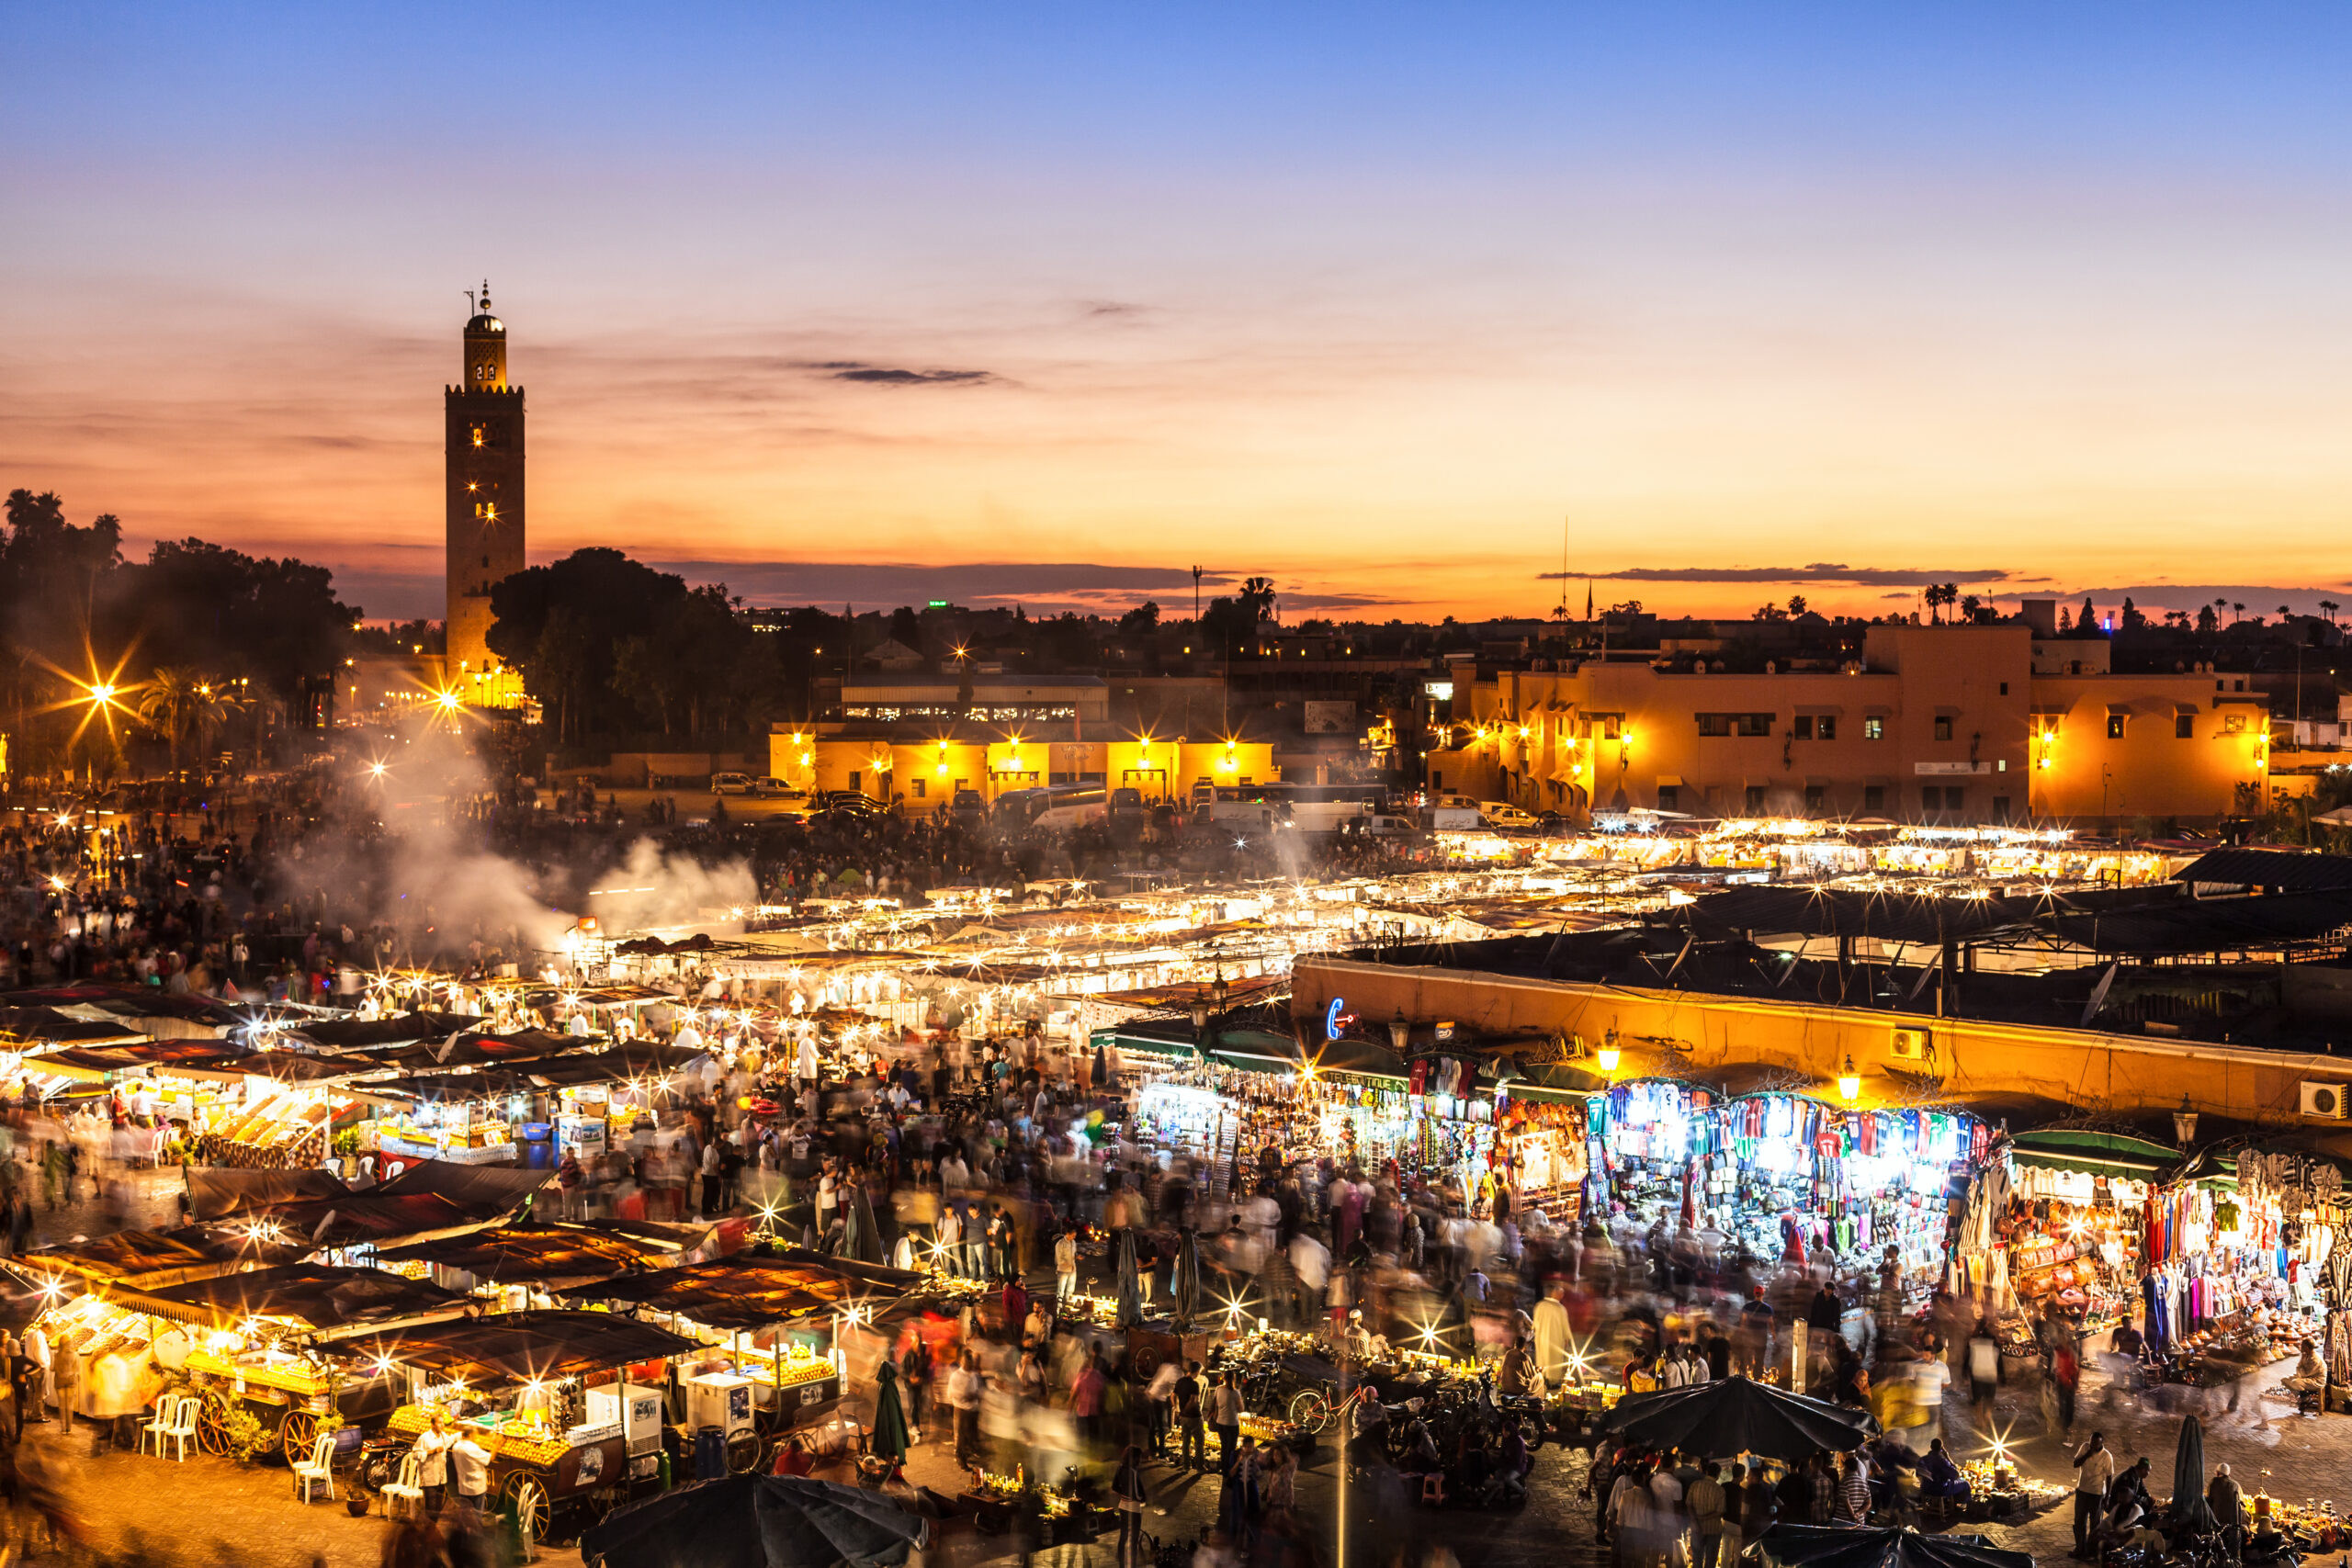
[1375,301]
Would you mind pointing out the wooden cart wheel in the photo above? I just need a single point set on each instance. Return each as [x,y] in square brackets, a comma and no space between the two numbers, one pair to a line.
[296,1436]
[744,1451]
[213,1423]
[529,1496]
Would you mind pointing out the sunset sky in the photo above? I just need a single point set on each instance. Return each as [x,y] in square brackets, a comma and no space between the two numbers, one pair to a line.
[1052,302]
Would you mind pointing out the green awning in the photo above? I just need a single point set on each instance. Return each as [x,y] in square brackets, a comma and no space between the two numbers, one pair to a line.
[2077,1148]
[1133,1043]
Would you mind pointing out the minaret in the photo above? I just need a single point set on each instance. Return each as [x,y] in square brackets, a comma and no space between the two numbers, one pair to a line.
[484,460]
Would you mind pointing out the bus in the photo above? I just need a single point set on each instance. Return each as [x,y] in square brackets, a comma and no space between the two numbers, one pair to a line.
[1052,806]
[1304,807]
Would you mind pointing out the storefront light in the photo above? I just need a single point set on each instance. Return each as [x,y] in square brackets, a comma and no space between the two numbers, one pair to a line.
[1608,1057]
[1850,1083]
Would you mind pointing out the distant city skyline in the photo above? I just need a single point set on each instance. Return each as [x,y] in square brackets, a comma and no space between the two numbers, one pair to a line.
[1049,306]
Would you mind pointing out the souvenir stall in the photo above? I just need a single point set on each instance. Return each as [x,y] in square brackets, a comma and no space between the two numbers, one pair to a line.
[2054,1231]
[1540,1150]
[2238,1261]
[1783,1176]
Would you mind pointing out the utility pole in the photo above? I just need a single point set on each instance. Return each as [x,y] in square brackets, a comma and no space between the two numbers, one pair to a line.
[1196,595]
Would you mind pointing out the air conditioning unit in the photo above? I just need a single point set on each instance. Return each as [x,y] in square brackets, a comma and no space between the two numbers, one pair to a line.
[2323,1101]
[1912,1046]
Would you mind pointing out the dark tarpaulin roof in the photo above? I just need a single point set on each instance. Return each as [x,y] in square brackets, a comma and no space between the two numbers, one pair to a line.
[2267,868]
[148,1259]
[1887,916]
[217,1192]
[2210,925]
[314,1294]
[372,1034]
[477,1050]
[46,1026]
[132,1055]
[133,1001]
[517,1346]
[430,1197]
[1846,1546]
[514,1254]
[747,1291]
[634,1059]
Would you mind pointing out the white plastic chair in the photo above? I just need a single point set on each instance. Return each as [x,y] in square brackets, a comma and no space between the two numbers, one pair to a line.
[319,1470]
[404,1498]
[166,1408]
[182,1428]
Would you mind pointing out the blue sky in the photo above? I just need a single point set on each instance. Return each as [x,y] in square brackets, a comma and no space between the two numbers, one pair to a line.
[1368,299]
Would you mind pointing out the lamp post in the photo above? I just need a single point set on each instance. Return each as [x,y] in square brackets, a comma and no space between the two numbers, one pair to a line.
[2184,1124]
[1400,1032]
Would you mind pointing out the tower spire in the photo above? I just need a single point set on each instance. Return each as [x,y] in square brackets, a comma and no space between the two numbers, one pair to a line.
[485,296]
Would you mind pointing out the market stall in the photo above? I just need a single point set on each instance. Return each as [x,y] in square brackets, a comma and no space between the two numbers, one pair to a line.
[2238,1247]
[266,1350]
[765,1327]
[568,1405]
[1784,1176]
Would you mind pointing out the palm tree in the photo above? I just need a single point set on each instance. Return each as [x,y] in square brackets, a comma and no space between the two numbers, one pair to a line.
[2328,607]
[164,703]
[216,703]
[2236,610]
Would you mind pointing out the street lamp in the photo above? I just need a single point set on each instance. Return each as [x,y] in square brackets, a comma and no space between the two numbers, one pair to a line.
[1400,1032]
[2184,1124]
[1849,1082]
[1609,1055]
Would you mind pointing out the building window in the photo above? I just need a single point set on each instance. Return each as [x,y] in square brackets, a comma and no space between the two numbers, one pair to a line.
[1873,798]
[1931,799]
[1816,800]
[1943,728]
[1609,727]
[1749,724]
[1437,780]
[2115,726]
[1803,728]
[2005,688]
[1873,729]
[856,781]
[2184,728]
[1825,728]
[2001,808]
[1669,798]
[919,788]
[1956,798]
[1755,800]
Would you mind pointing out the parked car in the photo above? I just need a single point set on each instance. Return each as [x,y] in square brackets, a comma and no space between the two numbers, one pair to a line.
[1503,815]
[850,801]
[731,784]
[771,788]
[969,807]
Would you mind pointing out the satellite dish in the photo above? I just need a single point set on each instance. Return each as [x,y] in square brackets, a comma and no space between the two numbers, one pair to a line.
[449,1045]
[328,1219]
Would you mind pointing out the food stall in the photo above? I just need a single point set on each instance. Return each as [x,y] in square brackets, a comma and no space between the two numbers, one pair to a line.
[568,1405]
[271,1346]
[766,1326]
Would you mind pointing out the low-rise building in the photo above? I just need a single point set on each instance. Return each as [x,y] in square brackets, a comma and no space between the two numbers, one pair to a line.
[1939,724]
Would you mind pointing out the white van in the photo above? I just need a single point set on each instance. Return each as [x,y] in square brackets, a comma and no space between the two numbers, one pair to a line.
[1503,815]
